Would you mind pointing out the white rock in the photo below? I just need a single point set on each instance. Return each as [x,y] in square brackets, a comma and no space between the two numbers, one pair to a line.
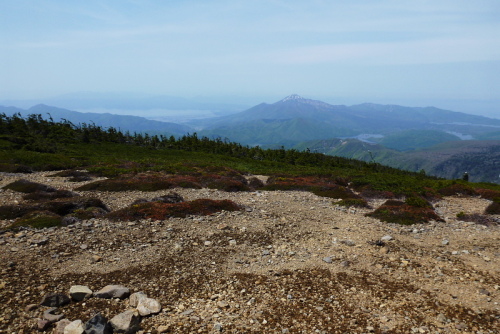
[386,238]
[148,306]
[126,322]
[136,297]
[80,292]
[113,291]
[75,327]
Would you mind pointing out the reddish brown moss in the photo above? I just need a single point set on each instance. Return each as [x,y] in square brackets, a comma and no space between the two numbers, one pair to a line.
[493,208]
[160,211]
[488,193]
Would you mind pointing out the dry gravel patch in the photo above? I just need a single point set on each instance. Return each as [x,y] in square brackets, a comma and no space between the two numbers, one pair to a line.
[290,262]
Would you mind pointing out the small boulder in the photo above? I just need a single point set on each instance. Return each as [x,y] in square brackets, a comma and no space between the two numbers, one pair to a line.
[55,300]
[113,291]
[98,325]
[42,324]
[126,322]
[79,292]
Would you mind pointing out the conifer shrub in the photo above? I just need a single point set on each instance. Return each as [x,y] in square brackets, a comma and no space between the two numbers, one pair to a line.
[25,186]
[160,211]
[393,211]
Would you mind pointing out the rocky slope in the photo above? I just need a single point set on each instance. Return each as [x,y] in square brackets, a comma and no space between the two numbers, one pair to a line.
[291,262]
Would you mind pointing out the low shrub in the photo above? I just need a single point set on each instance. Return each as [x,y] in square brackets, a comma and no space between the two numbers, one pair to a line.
[493,208]
[88,213]
[25,186]
[44,195]
[477,218]
[255,183]
[353,202]
[488,193]
[227,184]
[74,175]
[417,201]
[143,182]
[15,168]
[376,194]
[457,189]
[160,211]
[398,212]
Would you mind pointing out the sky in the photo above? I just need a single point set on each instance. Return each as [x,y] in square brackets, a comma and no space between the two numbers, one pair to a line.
[441,52]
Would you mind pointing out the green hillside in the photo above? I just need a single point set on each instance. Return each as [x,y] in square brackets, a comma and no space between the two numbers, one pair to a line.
[415,139]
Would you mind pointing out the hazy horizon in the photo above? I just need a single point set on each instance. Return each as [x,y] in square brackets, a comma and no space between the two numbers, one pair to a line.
[444,54]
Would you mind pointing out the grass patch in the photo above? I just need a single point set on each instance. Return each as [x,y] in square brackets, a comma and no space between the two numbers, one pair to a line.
[160,211]
[477,218]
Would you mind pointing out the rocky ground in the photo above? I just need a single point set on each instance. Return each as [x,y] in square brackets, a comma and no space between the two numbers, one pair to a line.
[291,262]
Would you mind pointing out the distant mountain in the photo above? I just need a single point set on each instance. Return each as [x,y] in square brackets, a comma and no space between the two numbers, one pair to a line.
[481,159]
[124,123]
[265,123]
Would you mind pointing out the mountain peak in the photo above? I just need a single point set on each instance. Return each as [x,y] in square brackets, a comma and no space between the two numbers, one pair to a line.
[292,97]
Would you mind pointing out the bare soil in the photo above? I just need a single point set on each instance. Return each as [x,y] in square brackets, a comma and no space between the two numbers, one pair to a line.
[290,262]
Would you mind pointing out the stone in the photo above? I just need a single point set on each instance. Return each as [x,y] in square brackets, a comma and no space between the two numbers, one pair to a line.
[60,325]
[222,304]
[386,238]
[445,242]
[126,322]
[50,316]
[164,329]
[484,292]
[136,297]
[96,258]
[113,291]
[42,324]
[79,292]
[31,307]
[98,325]
[148,306]
[328,259]
[55,300]
[75,327]
[218,327]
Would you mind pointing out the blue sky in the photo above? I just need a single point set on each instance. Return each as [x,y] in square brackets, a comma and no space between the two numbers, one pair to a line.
[440,52]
